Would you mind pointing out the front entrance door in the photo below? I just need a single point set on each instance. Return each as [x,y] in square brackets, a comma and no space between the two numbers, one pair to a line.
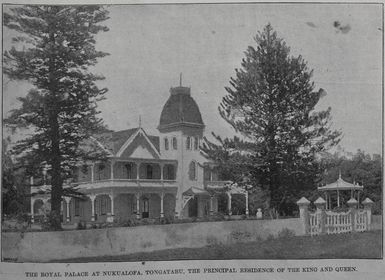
[193,207]
[145,213]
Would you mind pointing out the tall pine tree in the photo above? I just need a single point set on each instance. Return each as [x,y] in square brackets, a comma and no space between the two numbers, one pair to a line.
[271,103]
[54,49]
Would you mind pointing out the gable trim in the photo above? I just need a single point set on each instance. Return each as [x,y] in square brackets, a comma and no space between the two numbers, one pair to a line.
[132,138]
[102,146]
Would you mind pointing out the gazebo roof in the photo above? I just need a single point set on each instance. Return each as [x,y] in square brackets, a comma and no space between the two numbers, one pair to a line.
[342,185]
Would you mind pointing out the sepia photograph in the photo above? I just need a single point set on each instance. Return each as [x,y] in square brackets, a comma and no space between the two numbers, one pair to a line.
[179,132]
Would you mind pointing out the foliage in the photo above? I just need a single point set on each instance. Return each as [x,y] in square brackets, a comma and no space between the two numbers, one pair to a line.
[270,102]
[81,225]
[53,51]
[51,221]
[286,233]
[13,186]
[360,168]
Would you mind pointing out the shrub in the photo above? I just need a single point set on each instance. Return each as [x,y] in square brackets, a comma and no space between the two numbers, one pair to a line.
[211,240]
[286,233]
[270,237]
[217,217]
[79,226]
[240,236]
[258,238]
[52,221]
[23,218]
[169,220]
[377,207]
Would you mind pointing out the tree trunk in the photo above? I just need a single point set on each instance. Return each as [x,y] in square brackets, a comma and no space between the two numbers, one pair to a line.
[56,181]
[55,157]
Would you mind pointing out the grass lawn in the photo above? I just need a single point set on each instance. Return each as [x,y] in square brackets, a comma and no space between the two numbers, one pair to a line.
[355,245]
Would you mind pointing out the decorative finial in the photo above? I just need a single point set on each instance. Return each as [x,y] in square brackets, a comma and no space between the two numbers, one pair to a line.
[339,175]
[140,121]
[180,79]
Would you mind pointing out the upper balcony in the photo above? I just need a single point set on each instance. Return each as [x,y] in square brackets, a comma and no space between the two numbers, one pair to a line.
[128,183]
[136,173]
[132,173]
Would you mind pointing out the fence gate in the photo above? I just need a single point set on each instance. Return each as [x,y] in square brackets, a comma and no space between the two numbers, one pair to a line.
[338,222]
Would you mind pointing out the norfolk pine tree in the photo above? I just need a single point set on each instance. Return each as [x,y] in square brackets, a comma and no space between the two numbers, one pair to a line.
[53,51]
[271,103]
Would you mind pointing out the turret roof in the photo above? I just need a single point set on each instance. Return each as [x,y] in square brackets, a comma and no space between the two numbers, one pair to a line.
[180,109]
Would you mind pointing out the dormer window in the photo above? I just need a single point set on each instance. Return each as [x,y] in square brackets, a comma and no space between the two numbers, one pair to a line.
[166,144]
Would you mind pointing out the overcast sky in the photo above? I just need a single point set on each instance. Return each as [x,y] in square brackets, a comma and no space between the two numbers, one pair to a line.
[150,45]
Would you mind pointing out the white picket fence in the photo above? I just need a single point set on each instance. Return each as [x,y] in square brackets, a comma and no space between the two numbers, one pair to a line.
[315,223]
[324,221]
[361,222]
[338,222]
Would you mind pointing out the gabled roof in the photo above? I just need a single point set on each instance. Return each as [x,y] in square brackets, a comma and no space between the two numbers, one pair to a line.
[113,141]
[137,133]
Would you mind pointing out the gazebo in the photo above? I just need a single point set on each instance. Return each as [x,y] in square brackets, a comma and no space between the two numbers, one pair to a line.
[338,186]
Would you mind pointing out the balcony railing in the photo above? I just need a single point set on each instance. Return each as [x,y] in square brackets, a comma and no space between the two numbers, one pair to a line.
[216,184]
[127,183]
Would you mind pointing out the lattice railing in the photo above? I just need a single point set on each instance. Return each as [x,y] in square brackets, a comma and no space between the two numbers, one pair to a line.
[338,222]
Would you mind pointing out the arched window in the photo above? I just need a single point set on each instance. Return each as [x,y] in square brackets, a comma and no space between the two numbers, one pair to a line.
[166,144]
[192,171]
[104,205]
[146,208]
[174,143]
[196,143]
[145,205]
[188,143]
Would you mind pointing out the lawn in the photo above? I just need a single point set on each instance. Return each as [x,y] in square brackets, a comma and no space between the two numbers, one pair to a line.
[351,245]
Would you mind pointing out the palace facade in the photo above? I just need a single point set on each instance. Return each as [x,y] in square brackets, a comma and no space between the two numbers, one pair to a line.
[145,176]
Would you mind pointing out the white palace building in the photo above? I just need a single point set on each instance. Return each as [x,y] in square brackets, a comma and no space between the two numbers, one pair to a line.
[145,176]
